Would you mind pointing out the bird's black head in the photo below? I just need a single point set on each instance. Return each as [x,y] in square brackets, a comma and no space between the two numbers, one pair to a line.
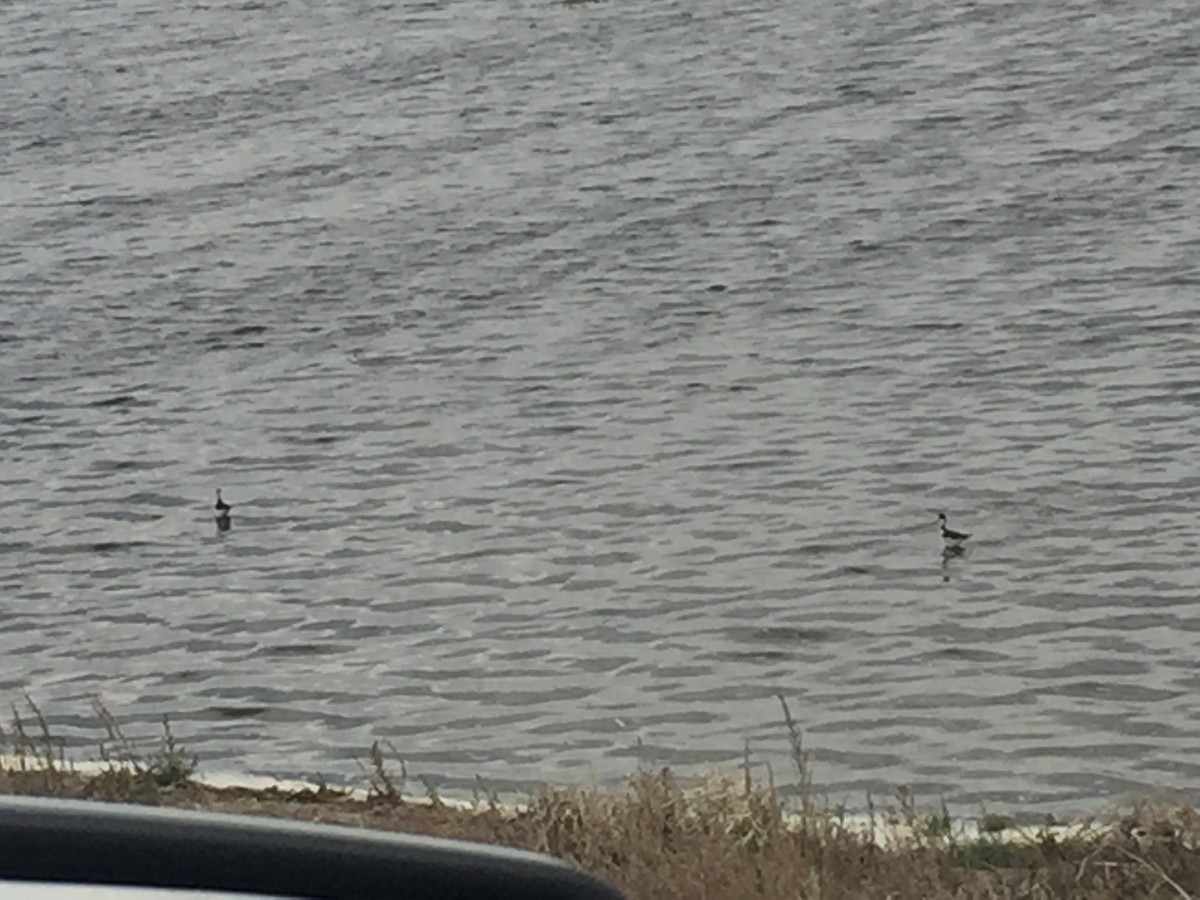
[942,518]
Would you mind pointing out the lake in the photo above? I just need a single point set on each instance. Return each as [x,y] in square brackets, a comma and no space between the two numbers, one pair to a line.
[584,376]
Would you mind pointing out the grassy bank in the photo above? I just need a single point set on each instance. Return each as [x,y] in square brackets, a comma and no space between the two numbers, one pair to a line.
[657,837]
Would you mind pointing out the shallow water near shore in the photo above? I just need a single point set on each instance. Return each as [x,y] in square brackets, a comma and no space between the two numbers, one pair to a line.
[584,377]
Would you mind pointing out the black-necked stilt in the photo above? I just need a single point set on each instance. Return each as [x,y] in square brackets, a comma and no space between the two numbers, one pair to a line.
[949,535]
[224,521]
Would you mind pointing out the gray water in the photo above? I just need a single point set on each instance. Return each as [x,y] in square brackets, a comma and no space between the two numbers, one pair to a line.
[583,377]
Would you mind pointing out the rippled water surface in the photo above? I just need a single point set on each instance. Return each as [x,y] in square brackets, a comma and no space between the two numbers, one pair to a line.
[584,376]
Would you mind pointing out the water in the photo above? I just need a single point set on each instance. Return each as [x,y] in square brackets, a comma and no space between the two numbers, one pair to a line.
[582,377]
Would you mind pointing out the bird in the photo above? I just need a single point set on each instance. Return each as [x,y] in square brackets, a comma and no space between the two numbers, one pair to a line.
[224,521]
[949,535]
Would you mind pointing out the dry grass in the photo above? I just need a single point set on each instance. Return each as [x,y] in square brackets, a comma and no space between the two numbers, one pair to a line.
[656,838]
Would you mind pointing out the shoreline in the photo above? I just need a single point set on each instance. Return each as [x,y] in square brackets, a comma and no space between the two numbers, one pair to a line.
[888,826]
[658,835]
[729,838]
